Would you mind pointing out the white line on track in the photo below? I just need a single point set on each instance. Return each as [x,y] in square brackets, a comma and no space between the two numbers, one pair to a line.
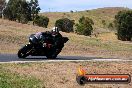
[105,60]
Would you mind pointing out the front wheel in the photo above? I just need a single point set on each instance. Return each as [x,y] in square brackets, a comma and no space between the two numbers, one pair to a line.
[24,51]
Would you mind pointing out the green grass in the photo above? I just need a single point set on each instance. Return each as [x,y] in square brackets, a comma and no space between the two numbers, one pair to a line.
[10,79]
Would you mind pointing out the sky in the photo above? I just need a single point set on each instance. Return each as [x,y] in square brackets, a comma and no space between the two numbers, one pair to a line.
[79,5]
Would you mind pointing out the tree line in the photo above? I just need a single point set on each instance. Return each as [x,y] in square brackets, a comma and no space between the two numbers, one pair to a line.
[2,5]
[22,11]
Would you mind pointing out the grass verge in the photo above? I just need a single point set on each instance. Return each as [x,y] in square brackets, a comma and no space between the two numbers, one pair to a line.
[10,79]
[63,74]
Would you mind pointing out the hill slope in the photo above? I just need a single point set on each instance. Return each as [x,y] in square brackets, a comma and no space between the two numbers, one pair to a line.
[14,35]
[97,15]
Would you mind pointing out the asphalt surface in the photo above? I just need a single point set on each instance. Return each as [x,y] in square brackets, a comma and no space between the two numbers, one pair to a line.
[11,58]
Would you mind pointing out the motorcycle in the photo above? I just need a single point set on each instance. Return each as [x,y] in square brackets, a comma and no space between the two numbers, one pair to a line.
[35,48]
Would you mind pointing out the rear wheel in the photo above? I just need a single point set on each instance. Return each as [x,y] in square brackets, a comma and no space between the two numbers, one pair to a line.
[24,52]
[53,54]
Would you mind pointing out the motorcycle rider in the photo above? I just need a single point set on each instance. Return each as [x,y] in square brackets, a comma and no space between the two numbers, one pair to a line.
[44,37]
[54,37]
[57,38]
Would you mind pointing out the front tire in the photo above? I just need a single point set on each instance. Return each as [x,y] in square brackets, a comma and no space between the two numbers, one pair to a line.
[24,51]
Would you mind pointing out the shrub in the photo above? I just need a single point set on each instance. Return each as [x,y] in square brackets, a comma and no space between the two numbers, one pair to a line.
[124,25]
[111,26]
[71,11]
[104,23]
[65,24]
[87,10]
[41,21]
[84,27]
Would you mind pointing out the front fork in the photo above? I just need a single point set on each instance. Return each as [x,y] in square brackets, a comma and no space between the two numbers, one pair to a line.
[30,46]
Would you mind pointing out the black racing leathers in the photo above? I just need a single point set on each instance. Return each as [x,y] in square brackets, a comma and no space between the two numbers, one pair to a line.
[58,44]
[55,40]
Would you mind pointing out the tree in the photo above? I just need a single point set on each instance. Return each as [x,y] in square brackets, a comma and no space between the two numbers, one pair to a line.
[11,10]
[65,24]
[84,27]
[17,10]
[2,6]
[124,25]
[34,9]
[7,13]
[23,11]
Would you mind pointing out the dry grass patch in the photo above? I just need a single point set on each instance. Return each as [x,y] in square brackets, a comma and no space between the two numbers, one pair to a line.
[14,35]
[97,15]
[105,45]
[63,74]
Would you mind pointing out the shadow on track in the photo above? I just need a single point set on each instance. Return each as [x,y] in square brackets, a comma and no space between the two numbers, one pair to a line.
[13,57]
[63,58]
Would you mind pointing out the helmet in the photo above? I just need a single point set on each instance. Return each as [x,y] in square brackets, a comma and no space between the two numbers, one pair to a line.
[55,30]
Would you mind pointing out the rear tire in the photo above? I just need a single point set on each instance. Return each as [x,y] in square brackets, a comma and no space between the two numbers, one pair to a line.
[24,52]
[51,55]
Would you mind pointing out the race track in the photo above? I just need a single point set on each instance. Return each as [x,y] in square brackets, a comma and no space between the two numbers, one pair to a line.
[12,58]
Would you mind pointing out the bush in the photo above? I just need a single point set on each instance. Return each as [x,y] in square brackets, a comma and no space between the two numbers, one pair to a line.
[41,21]
[85,26]
[71,11]
[104,23]
[111,26]
[124,25]
[65,24]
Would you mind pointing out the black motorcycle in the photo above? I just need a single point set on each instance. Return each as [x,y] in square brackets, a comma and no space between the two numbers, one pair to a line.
[37,48]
